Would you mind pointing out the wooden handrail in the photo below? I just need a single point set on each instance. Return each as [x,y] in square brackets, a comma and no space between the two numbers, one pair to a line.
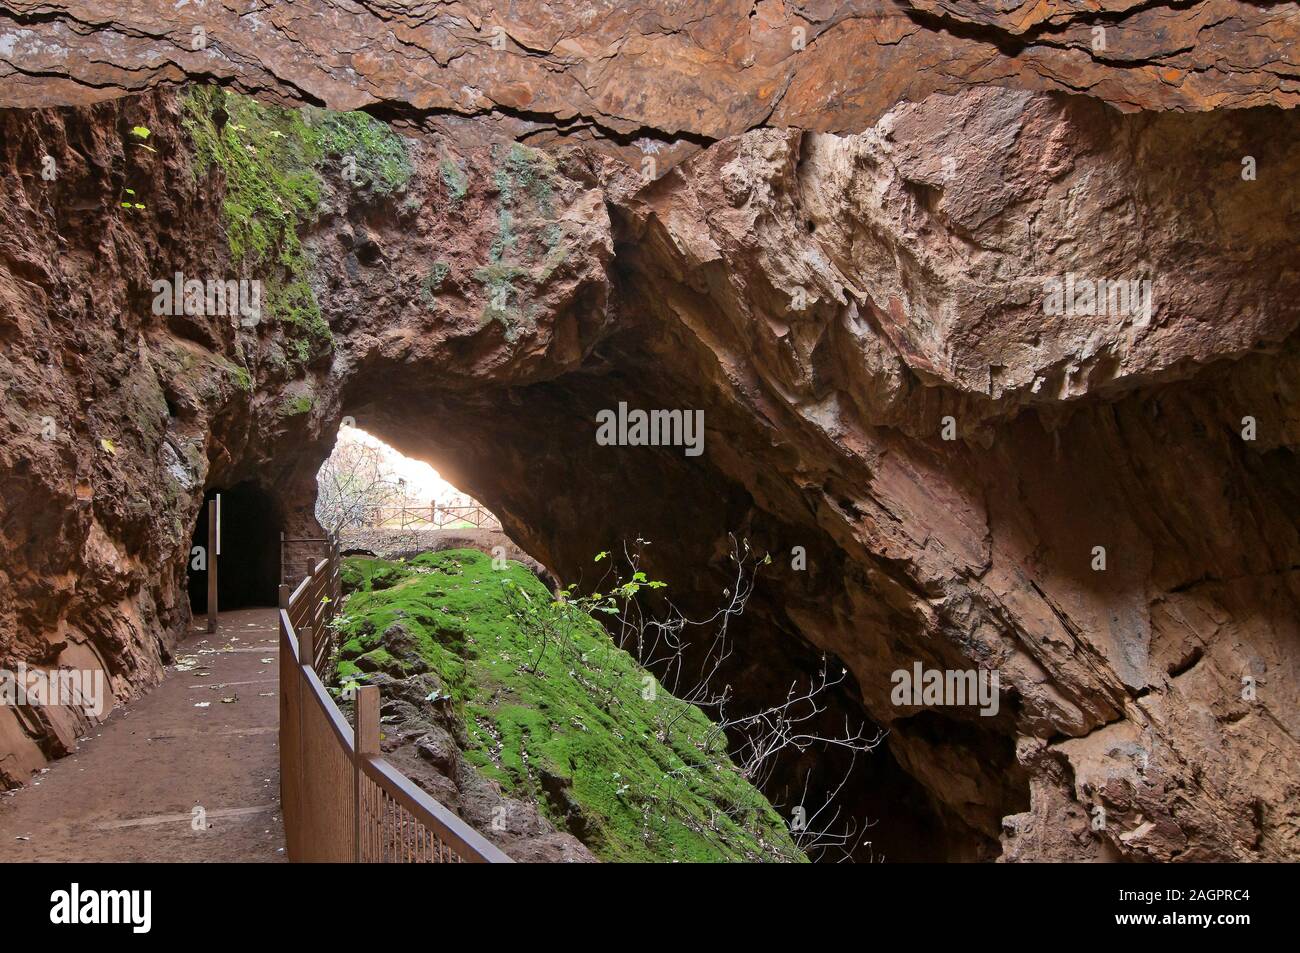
[297,593]
[389,816]
[468,843]
[343,732]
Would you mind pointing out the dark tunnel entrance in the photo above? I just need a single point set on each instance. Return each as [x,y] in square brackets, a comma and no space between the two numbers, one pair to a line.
[248,567]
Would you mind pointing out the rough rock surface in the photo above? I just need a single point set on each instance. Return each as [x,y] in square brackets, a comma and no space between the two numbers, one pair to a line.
[426,741]
[827,301]
[1126,684]
[653,77]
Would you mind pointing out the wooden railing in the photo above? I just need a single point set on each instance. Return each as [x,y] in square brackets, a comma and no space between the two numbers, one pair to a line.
[431,517]
[341,800]
[298,554]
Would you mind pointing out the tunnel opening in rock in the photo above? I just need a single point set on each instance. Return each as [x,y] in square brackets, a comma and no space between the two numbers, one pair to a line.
[380,502]
[523,450]
[248,557]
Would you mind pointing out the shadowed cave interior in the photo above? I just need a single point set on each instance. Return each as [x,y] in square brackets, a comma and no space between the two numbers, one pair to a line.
[249,568]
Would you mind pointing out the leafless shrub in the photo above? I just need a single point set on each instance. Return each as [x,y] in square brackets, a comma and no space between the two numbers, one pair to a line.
[666,641]
[353,485]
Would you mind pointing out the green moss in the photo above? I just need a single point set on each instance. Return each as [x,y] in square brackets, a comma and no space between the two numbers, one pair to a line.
[504,244]
[243,379]
[272,161]
[369,575]
[379,660]
[295,406]
[268,157]
[568,728]
[528,242]
[360,142]
[457,182]
[523,171]
[498,280]
[432,282]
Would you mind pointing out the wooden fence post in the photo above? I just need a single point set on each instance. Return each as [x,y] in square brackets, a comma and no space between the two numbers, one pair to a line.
[336,577]
[306,648]
[365,718]
[212,565]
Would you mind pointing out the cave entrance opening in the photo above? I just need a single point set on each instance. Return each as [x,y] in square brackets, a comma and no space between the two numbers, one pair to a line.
[248,566]
[380,502]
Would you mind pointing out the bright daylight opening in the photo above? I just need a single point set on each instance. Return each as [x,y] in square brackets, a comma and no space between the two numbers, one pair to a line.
[366,484]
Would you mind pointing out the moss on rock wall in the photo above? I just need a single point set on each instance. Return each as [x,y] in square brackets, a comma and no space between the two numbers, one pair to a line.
[580,728]
[273,160]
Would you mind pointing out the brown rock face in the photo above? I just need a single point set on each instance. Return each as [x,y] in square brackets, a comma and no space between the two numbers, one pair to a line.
[96,408]
[1097,502]
[1074,432]
[654,78]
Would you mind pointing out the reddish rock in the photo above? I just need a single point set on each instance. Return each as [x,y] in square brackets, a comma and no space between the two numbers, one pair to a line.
[827,301]
[656,77]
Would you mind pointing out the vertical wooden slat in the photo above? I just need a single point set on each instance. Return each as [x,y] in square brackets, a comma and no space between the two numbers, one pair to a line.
[366,727]
[212,566]
[306,647]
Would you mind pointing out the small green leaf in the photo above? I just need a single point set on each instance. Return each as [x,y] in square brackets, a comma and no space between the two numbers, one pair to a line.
[140,132]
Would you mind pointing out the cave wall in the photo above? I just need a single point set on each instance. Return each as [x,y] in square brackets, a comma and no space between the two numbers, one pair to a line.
[653,78]
[922,281]
[827,301]
[115,419]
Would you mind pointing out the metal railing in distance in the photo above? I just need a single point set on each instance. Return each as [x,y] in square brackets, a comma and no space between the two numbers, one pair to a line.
[342,801]
[431,517]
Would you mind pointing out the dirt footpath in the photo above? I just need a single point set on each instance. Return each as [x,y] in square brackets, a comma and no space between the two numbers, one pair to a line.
[130,792]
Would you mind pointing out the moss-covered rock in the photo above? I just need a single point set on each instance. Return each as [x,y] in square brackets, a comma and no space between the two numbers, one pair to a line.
[272,160]
[579,728]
